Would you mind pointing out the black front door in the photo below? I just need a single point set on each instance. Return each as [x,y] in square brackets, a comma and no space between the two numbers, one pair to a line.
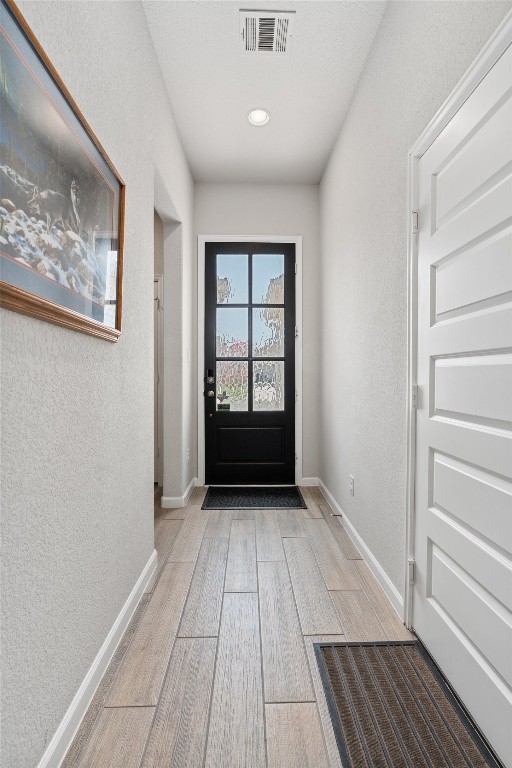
[249,363]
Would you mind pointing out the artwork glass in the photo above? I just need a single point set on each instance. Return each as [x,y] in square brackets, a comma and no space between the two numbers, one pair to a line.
[61,200]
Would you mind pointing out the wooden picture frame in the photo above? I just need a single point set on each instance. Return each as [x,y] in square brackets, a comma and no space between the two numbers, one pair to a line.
[61,199]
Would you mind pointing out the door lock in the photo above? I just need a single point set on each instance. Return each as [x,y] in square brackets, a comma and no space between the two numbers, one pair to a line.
[210,380]
[211,393]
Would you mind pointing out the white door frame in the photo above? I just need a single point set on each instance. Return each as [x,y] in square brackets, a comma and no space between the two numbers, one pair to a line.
[201,242]
[158,280]
[484,62]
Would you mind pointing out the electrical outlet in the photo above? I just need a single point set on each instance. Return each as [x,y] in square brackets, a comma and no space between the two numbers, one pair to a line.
[188,455]
[351,485]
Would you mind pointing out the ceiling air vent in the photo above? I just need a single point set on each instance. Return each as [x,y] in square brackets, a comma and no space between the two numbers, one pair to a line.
[266,31]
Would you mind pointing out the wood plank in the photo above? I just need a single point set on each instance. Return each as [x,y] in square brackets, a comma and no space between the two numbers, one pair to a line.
[269,545]
[294,736]
[178,736]
[241,568]
[159,512]
[219,524]
[219,521]
[357,617]
[197,495]
[165,535]
[285,667]
[316,493]
[180,513]
[290,523]
[242,514]
[201,616]
[316,611]
[119,738]
[188,541]
[338,572]
[142,672]
[313,509]
[323,710]
[195,508]
[346,544]
[236,735]
[386,614]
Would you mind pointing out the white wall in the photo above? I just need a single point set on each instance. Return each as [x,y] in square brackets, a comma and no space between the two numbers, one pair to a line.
[254,209]
[158,234]
[420,52]
[77,412]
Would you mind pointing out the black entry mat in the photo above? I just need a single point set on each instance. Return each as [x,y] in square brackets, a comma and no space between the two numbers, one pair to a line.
[241,497]
[390,706]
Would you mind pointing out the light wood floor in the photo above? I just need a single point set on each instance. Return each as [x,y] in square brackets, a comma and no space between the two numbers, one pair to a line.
[219,670]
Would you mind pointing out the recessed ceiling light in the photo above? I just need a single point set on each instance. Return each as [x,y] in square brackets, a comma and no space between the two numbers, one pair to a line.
[258,116]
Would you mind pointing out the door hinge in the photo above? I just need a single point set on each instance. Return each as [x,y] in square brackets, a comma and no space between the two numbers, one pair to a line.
[415,222]
[295,267]
[296,458]
[412,571]
[296,395]
[414,397]
[296,332]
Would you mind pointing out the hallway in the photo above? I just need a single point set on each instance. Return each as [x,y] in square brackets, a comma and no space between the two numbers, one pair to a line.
[218,659]
[384,158]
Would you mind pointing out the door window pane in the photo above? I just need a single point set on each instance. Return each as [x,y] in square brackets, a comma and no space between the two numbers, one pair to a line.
[268,278]
[268,332]
[232,332]
[232,385]
[232,278]
[268,389]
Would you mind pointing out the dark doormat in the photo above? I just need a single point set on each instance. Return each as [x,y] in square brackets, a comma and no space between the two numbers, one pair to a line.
[390,706]
[241,497]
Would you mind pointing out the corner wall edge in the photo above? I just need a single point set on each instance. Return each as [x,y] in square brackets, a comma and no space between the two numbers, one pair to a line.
[178,502]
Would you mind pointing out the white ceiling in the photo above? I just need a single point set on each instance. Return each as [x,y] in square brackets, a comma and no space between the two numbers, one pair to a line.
[212,84]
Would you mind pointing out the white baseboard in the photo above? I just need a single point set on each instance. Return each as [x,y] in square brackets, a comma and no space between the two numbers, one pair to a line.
[60,743]
[177,502]
[309,482]
[393,595]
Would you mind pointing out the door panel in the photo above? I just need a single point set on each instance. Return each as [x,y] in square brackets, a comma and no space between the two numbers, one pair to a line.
[249,363]
[262,444]
[462,606]
[462,384]
[466,490]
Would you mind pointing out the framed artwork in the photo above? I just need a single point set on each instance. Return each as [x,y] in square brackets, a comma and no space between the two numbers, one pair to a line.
[61,199]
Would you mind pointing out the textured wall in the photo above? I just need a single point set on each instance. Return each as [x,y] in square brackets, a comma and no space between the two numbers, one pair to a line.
[77,412]
[252,209]
[420,52]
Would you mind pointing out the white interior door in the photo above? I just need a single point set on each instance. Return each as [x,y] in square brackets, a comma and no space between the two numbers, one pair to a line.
[462,599]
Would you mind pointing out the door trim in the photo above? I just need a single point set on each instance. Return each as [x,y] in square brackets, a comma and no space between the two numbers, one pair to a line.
[158,280]
[201,242]
[497,44]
